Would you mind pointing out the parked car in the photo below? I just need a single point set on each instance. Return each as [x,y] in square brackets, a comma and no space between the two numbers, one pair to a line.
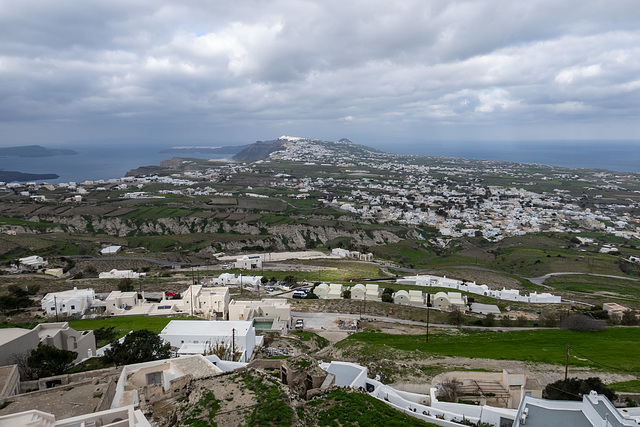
[300,293]
[299,324]
[170,294]
[226,267]
[269,288]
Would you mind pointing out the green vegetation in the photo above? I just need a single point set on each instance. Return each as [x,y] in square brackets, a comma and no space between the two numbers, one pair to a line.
[613,349]
[342,408]
[590,284]
[273,408]
[206,408]
[122,325]
[632,386]
[574,388]
[137,347]
[47,361]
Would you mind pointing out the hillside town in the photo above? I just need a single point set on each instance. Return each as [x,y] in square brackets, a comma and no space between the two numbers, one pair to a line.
[214,319]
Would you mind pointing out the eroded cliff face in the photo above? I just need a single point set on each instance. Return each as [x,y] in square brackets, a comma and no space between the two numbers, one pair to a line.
[285,236]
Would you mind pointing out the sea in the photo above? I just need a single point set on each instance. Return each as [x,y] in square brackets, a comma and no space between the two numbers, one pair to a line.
[105,161]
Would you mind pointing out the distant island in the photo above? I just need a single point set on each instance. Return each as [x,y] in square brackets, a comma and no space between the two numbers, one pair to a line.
[34,151]
[11,176]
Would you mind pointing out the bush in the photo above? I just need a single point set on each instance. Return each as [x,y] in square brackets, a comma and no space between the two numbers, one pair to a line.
[580,322]
[125,285]
[137,347]
[47,361]
[574,388]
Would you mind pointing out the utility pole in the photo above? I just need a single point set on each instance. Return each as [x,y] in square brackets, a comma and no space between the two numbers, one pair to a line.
[55,304]
[428,311]
[566,366]
[233,344]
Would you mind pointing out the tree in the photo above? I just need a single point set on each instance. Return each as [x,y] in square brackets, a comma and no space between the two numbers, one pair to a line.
[125,285]
[47,361]
[346,294]
[137,347]
[629,318]
[489,321]
[455,317]
[17,299]
[290,280]
[264,279]
[574,388]
[387,295]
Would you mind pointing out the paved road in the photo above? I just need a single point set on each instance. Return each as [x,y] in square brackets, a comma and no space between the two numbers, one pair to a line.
[540,280]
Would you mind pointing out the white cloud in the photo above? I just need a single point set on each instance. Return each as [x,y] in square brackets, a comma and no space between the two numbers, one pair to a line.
[320,64]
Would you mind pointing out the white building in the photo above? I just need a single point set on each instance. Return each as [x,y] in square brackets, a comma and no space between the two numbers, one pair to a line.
[120,417]
[72,302]
[594,410]
[239,336]
[110,250]
[33,262]
[449,301]
[340,252]
[119,302]
[335,291]
[277,310]
[322,291]
[209,303]
[121,274]
[158,378]
[249,262]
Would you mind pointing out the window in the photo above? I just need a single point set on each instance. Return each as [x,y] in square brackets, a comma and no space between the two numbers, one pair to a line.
[154,378]
[73,307]
[53,308]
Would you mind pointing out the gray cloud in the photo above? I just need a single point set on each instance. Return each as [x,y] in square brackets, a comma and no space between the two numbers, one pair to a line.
[214,70]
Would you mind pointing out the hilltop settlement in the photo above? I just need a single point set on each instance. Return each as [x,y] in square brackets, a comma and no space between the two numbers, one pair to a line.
[310,282]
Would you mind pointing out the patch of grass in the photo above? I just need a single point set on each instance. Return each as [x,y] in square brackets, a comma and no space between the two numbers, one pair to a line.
[342,408]
[592,284]
[272,408]
[632,386]
[614,349]
[90,365]
[208,405]
[122,325]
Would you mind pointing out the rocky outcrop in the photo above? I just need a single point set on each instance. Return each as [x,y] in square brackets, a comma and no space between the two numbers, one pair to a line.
[285,236]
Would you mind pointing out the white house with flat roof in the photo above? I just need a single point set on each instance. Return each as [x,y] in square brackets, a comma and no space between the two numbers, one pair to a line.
[33,262]
[121,274]
[594,410]
[120,417]
[110,250]
[277,310]
[72,302]
[239,335]
[249,262]
[207,302]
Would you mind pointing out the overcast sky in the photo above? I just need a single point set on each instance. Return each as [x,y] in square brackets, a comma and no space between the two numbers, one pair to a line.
[207,72]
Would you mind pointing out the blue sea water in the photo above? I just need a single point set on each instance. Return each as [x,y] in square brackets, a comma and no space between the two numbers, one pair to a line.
[621,156]
[104,161]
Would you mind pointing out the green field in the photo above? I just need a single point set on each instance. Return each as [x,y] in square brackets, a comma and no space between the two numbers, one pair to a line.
[592,284]
[615,349]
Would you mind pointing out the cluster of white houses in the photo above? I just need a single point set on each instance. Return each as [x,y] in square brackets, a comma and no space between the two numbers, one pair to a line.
[343,253]
[472,287]
[372,292]
[209,303]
